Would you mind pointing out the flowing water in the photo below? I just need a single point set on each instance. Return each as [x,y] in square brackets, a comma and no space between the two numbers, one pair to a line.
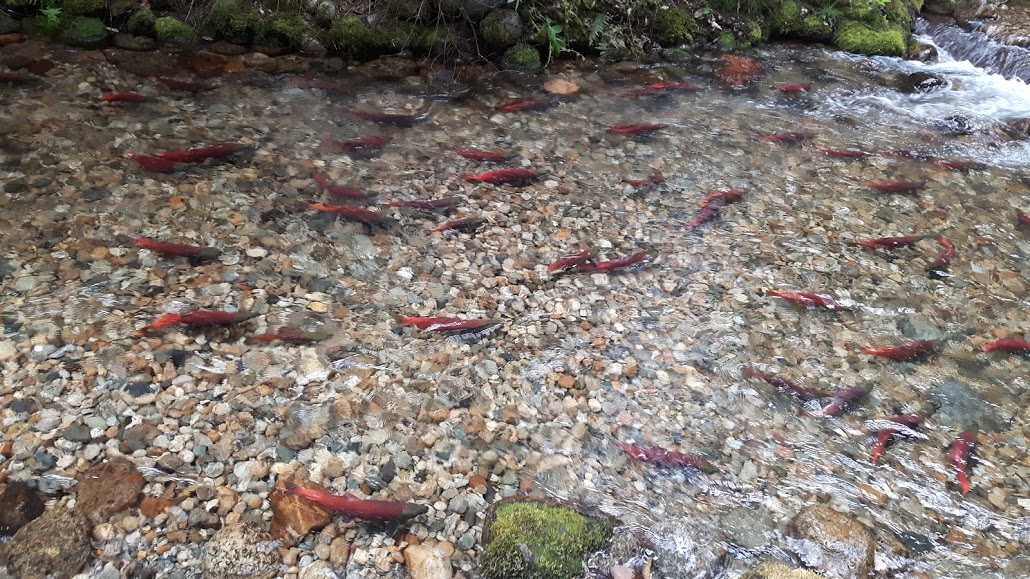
[653,356]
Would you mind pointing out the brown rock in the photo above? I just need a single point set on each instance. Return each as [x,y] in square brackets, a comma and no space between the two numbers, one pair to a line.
[426,563]
[204,64]
[389,68]
[108,489]
[339,552]
[833,542]
[738,71]
[294,517]
[154,506]
[56,545]
[19,504]
[14,38]
[560,86]
[779,571]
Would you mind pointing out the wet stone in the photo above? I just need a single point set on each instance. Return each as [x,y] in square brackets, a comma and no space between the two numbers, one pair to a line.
[108,489]
[686,547]
[134,43]
[832,542]
[19,504]
[426,563]
[919,82]
[239,551]
[293,517]
[77,432]
[960,406]
[55,545]
[749,528]
[779,571]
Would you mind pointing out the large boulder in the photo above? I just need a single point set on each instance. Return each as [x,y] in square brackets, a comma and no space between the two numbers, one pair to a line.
[501,28]
[832,542]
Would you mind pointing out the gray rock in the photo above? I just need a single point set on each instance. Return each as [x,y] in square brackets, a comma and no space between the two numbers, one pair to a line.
[477,9]
[920,327]
[135,43]
[77,432]
[54,545]
[7,350]
[26,283]
[960,406]
[832,542]
[8,25]
[749,528]
[779,571]
[501,28]
[238,551]
[919,82]
[317,570]
[687,548]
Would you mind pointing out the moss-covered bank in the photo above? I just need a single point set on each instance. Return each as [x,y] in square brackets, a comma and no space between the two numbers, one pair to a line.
[513,33]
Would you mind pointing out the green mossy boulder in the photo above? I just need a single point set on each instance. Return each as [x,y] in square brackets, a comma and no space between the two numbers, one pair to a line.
[233,21]
[897,14]
[860,39]
[533,540]
[285,32]
[940,7]
[141,23]
[352,38]
[861,10]
[793,20]
[501,28]
[83,7]
[673,26]
[85,33]
[523,57]
[171,31]
[406,9]
[727,41]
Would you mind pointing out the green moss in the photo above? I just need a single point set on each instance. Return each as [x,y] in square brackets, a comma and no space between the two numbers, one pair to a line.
[794,20]
[523,56]
[861,39]
[171,31]
[756,33]
[20,3]
[141,23]
[85,33]
[501,28]
[897,13]
[281,31]
[231,20]
[531,540]
[674,26]
[352,38]
[726,40]
[77,7]
[861,10]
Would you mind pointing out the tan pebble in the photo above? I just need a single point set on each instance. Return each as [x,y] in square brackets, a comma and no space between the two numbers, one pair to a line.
[99,253]
[162,549]
[446,548]
[339,552]
[872,495]
[322,551]
[384,564]
[566,381]
[560,86]
[103,532]
[427,563]
[318,307]
[130,523]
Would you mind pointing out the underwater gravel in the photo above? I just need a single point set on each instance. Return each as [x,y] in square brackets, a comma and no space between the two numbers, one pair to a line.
[652,356]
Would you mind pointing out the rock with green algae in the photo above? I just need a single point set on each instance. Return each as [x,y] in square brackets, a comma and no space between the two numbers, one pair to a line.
[779,571]
[285,32]
[171,31]
[793,20]
[897,13]
[233,21]
[940,7]
[860,39]
[8,24]
[727,41]
[141,23]
[523,56]
[436,39]
[85,33]
[530,539]
[352,38]
[673,26]
[501,28]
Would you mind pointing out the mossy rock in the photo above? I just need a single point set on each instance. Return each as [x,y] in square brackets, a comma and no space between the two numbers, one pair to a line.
[407,9]
[501,28]
[897,13]
[531,539]
[940,7]
[448,7]
[85,33]
[8,25]
[436,39]
[83,7]
[141,23]
[523,57]
[120,10]
[860,10]
[673,26]
[171,31]
[233,21]
[860,39]
[793,20]
[282,32]
[352,38]
[726,41]
[20,3]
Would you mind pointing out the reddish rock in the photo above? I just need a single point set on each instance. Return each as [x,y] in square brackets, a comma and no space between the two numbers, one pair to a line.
[54,545]
[294,517]
[107,489]
[204,64]
[19,504]
[738,71]
[154,506]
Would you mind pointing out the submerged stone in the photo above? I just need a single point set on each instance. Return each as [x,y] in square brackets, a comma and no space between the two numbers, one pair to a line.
[774,570]
[54,545]
[19,505]
[832,542]
[687,548]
